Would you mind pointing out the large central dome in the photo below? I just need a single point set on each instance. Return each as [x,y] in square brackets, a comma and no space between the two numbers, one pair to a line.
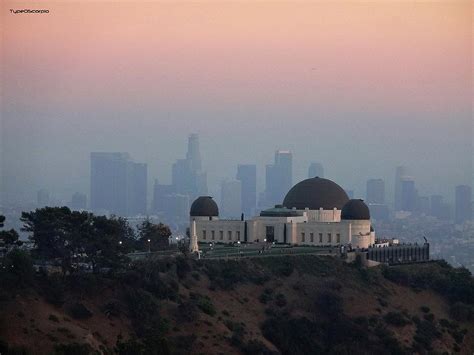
[316,193]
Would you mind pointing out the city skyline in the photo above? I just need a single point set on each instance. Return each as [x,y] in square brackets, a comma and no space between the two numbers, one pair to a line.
[382,84]
[401,173]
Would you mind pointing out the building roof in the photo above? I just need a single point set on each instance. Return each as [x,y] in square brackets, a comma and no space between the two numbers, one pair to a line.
[315,193]
[280,211]
[204,206]
[355,210]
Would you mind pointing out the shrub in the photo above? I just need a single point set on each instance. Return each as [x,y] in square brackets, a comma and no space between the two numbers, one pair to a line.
[204,303]
[17,271]
[429,317]
[330,304]
[426,333]
[462,312]
[425,309]
[396,318]
[53,289]
[79,311]
[265,297]
[280,300]
[255,347]
[382,302]
[53,318]
[293,336]
[182,267]
[187,312]
[112,309]
[455,284]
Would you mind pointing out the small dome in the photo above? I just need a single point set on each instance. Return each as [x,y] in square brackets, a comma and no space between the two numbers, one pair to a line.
[355,210]
[204,206]
[316,193]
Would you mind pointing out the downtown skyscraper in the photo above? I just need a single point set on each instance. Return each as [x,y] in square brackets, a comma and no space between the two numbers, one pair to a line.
[118,185]
[188,181]
[463,204]
[278,177]
[247,175]
[315,170]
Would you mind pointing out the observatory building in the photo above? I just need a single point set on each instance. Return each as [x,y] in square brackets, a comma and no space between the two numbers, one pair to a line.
[315,212]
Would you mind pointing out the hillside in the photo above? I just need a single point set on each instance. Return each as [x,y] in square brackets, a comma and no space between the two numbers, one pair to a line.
[290,305]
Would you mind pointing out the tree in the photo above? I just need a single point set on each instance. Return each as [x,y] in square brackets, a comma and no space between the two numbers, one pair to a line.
[71,237]
[9,239]
[108,241]
[154,236]
[50,232]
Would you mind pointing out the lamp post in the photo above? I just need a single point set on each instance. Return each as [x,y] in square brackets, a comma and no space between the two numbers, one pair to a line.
[149,246]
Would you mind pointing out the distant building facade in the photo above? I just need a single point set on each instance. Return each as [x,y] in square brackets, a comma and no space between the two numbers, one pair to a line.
[278,177]
[408,195]
[463,204]
[315,169]
[118,184]
[188,180]
[247,175]
[43,198]
[375,191]
[400,173]
[231,203]
[79,201]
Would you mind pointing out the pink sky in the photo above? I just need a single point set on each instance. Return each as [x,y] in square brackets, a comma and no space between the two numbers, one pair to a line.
[413,55]
[390,81]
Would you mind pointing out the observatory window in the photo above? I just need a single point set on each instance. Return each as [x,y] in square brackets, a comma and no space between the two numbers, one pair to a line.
[311,237]
[320,237]
[221,235]
[229,235]
[302,237]
[238,235]
[204,234]
[329,238]
[213,235]
[338,238]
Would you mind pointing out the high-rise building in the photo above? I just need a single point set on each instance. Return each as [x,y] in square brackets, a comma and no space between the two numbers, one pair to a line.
[315,170]
[231,205]
[463,204]
[436,206]
[177,207]
[187,175]
[137,199]
[350,193]
[118,185]
[423,205]
[247,175]
[194,154]
[43,198]
[79,201]
[278,177]
[160,191]
[400,173]
[375,191]
[408,195]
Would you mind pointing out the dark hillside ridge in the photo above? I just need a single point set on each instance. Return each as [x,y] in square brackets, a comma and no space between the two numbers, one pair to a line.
[288,305]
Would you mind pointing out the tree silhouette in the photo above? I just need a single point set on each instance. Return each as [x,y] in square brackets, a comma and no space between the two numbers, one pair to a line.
[152,236]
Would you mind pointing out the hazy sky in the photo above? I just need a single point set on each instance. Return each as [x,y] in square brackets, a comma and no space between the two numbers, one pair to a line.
[359,86]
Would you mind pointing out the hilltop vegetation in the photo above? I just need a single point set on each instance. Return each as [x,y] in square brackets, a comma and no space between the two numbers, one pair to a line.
[288,304]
